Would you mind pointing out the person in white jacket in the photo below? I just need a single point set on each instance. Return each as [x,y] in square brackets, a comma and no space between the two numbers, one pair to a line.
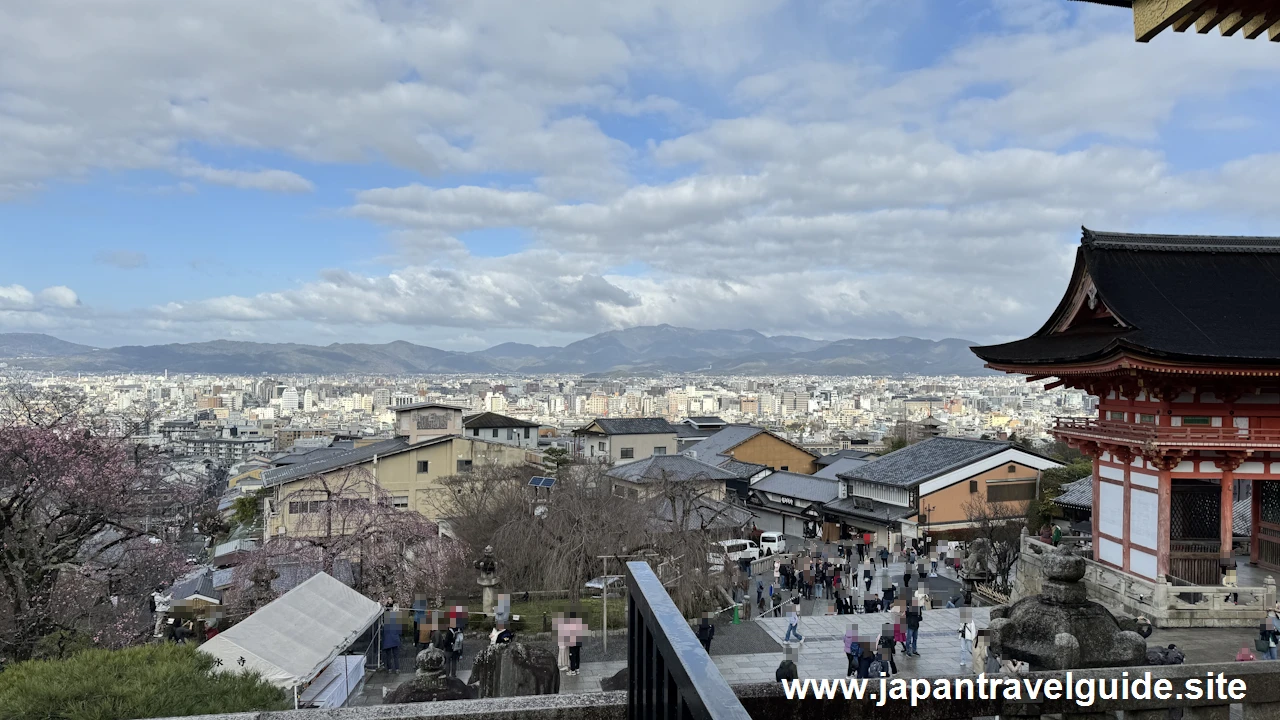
[968,633]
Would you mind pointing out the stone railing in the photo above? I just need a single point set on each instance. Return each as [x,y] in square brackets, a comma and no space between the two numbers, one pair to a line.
[763,567]
[1164,603]
[1256,688]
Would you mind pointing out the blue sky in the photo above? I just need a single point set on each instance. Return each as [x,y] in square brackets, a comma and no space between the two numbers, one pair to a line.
[464,174]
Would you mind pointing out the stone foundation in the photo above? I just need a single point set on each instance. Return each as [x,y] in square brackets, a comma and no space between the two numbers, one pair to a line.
[1164,604]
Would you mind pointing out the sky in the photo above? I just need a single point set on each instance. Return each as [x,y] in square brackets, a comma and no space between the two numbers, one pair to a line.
[461,173]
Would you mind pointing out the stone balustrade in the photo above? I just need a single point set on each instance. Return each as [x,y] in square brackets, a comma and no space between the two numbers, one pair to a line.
[1164,603]
[1260,682]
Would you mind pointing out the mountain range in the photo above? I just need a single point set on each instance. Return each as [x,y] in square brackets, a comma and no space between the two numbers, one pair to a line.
[633,351]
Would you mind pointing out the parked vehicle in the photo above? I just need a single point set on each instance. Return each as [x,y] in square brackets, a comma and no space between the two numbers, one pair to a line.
[727,551]
[773,542]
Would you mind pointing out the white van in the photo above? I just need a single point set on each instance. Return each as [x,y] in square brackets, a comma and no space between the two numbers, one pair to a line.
[732,551]
[772,543]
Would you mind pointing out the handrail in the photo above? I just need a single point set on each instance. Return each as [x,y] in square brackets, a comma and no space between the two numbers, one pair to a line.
[671,675]
[1164,435]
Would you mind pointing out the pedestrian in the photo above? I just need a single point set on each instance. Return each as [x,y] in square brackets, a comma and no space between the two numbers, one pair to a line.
[862,550]
[884,557]
[793,624]
[787,669]
[454,654]
[1057,535]
[1266,641]
[952,602]
[852,650]
[913,629]
[867,574]
[890,593]
[886,646]
[706,631]
[391,638]
[577,630]
[968,633]
[933,564]
[906,578]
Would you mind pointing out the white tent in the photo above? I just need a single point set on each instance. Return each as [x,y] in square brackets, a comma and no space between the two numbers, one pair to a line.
[295,637]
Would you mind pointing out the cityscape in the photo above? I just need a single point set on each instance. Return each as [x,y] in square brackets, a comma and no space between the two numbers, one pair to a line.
[573,360]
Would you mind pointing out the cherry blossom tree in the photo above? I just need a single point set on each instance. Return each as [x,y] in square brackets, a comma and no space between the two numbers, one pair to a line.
[77,560]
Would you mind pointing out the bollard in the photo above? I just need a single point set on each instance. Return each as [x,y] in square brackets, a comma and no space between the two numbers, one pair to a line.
[736,609]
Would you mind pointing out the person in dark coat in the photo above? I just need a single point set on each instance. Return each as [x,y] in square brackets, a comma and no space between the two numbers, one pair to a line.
[871,604]
[884,557]
[706,631]
[887,648]
[890,593]
[391,639]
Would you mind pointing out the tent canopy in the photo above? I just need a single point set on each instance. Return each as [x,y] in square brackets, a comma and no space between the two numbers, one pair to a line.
[296,636]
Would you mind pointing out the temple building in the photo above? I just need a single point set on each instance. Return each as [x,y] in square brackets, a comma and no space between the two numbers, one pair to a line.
[1179,338]
[1247,18]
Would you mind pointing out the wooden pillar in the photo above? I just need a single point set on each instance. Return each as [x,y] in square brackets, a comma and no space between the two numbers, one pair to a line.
[1162,533]
[1093,516]
[1225,532]
[1255,520]
[1128,509]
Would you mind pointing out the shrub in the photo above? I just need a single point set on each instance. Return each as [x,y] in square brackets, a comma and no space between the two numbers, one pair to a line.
[150,681]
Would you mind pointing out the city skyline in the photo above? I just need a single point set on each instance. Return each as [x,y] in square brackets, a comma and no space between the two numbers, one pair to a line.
[367,172]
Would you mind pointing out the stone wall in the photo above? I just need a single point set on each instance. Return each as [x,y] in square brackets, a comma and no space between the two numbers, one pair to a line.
[766,700]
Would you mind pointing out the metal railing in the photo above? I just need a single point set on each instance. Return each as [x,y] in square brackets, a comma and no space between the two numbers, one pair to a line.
[671,676]
[1186,435]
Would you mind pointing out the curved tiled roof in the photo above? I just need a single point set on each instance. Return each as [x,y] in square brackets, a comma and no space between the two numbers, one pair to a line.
[925,460]
[1190,297]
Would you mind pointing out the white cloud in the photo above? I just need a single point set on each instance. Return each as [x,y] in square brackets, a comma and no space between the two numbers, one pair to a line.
[271,180]
[763,176]
[59,296]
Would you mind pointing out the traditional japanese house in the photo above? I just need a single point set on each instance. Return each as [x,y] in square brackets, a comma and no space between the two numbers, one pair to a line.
[1179,338]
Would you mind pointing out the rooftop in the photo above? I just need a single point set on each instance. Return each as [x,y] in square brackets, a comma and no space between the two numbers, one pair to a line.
[630,426]
[421,405]
[676,468]
[926,460]
[801,487]
[1165,297]
[335,461]
[494,420]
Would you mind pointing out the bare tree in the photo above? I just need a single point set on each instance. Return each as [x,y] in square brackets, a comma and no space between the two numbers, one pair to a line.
[347,516]
[1000,524]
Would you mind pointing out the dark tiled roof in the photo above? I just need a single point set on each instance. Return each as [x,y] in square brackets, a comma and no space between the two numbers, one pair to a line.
[870,510]
[802,487]
[725,440]
[198,583]
[676,468]
[633,426]
[840,467]
[334,461]
[1077,495]
[1178,296]
[925,460]
[494,420]
[742,469]
[843,454]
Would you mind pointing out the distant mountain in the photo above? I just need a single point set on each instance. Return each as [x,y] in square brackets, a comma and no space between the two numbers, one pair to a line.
[638,350]
[36,345]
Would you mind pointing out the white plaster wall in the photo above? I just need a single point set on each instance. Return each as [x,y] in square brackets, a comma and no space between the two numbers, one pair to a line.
[1144,479]
[1113,473]
[1111,509]
[1142,563]
[1144,518]
[1110,551]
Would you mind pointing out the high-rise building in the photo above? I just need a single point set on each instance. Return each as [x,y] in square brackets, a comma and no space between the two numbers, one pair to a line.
[288,400]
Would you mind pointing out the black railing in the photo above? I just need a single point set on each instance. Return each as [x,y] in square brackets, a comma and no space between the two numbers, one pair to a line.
[671,676]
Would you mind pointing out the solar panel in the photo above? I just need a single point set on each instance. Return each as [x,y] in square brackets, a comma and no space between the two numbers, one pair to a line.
[539,481]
